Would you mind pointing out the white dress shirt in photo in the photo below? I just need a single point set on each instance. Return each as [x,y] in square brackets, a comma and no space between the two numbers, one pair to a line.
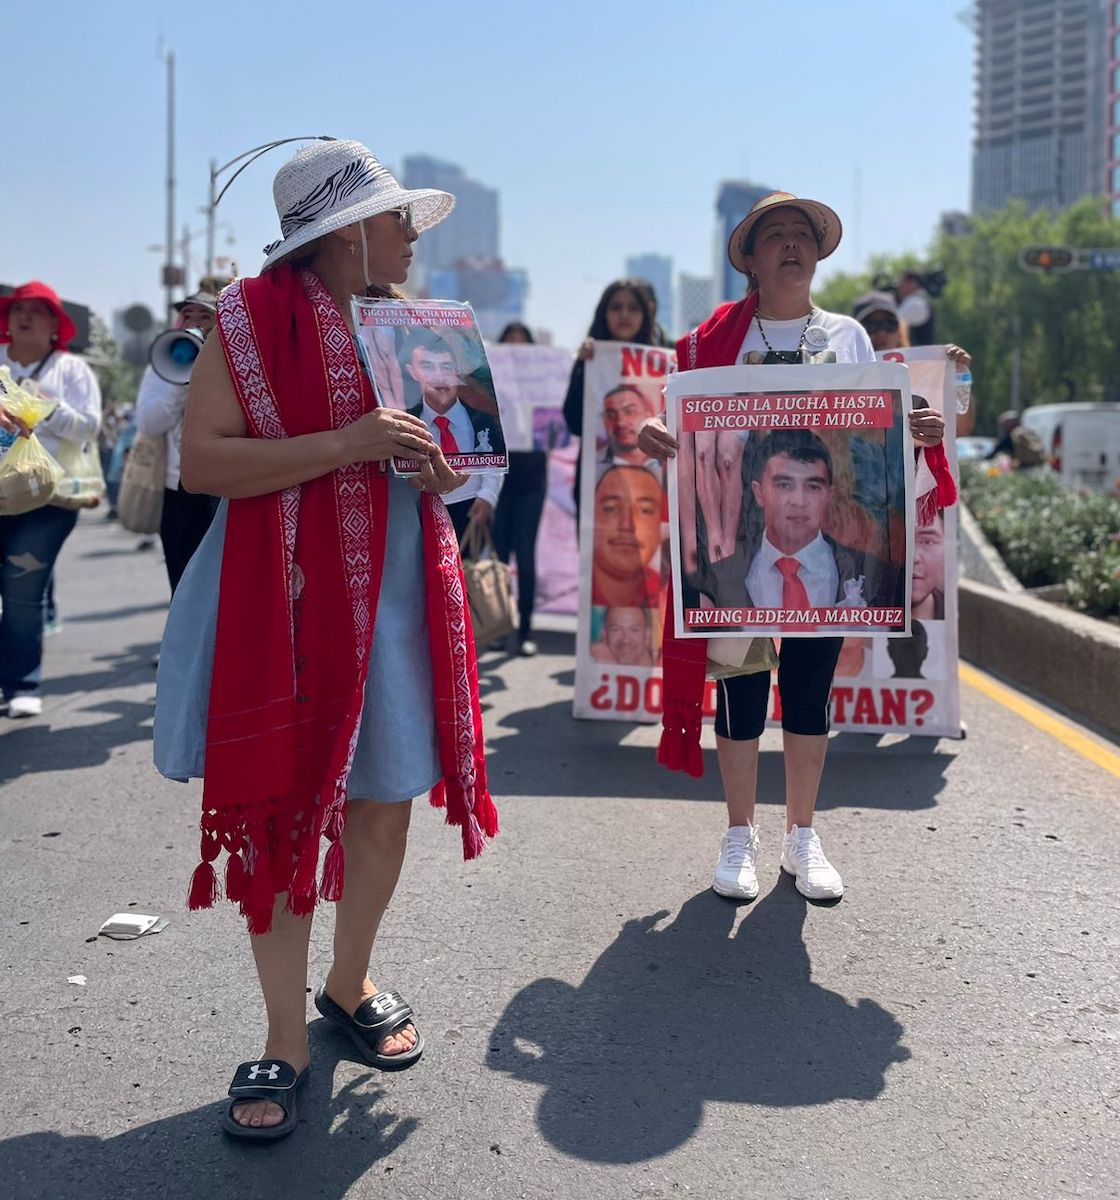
[481,487]
[817,572]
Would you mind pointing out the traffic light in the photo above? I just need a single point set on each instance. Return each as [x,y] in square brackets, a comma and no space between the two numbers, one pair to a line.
[1048,258]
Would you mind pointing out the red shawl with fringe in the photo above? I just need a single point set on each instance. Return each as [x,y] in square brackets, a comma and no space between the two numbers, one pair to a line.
[301,574]
[684,661]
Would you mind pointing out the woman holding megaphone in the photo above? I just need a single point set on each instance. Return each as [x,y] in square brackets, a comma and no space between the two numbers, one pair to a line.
[160,404]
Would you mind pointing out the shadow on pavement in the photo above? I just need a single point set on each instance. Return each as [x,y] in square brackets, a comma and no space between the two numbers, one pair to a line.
[30,747]
[671,1017]
[548,753]
[338,1140]
[112,671]
[118,614]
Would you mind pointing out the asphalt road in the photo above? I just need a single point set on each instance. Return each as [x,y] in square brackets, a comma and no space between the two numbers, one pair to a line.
[599,1023]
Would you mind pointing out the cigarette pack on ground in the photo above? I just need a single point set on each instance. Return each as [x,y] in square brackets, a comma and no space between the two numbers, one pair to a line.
[124,927]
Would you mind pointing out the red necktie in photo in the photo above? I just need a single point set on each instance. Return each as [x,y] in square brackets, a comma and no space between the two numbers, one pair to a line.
[447,442]
[794,594]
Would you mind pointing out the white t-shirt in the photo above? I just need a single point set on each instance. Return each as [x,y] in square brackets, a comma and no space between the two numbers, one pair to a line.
[69,380]
[846,336]
[160,407]
[915,309]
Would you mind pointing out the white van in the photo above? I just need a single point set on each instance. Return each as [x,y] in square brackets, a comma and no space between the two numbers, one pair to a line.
[1082,442]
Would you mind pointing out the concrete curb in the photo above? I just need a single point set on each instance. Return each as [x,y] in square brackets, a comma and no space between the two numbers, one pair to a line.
[979,559]
[1065,657]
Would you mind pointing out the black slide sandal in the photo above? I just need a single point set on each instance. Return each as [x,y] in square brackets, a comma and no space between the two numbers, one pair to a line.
[266,1079]
[374,1020]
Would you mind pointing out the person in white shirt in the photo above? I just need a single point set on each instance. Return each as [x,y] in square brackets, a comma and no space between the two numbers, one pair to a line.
[916,308]
[160,406]
[458,428]
[777,246]
[36,330]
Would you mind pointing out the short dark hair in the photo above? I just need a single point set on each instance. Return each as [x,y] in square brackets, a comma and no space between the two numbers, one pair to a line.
[516,327]
[423,338]
[627,387]
[802,445]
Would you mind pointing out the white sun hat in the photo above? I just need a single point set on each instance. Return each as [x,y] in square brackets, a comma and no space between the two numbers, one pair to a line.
[331,184]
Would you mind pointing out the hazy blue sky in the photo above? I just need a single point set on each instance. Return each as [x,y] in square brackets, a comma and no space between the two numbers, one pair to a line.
[606,125]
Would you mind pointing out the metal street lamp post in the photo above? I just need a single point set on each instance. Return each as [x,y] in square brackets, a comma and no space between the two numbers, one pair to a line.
[215,171]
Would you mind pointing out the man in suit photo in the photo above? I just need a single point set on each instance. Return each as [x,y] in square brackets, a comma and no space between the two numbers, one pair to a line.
[795,565]
[459,428]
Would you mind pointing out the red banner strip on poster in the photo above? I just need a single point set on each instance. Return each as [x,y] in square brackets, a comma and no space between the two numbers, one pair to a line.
[789,410]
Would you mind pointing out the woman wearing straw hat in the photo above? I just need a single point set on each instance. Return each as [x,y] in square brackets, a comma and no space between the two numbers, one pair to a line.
[36,331]
[777,246]
[333,678]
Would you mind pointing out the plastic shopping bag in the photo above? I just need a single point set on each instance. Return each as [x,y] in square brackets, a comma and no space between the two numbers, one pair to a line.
[82,484]
[28,477]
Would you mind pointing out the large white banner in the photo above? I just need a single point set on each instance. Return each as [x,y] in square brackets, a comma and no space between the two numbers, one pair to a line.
[531,382]
[624,555]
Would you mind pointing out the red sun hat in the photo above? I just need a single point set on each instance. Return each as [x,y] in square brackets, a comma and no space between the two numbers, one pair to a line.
[35,290]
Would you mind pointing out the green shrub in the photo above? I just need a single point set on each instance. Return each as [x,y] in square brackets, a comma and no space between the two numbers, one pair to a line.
[1049,535]
[1094,583]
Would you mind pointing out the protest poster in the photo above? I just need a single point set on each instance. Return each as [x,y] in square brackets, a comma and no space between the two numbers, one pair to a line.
[911,685]
[426,357]
[624,553]
[557,545]
[530,382]
[791,500]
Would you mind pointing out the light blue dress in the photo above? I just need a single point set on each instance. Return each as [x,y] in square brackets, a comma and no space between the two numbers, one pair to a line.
[395,763]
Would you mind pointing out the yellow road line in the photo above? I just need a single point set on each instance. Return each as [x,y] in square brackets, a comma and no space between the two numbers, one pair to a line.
[1055,726]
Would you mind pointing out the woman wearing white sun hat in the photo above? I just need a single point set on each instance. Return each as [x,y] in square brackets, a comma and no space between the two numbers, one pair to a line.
[320,669]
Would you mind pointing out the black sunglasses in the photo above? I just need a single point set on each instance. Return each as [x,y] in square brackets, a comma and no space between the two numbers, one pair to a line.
[881,324]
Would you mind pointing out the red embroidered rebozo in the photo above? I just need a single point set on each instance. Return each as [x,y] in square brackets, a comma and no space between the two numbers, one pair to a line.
[301,574]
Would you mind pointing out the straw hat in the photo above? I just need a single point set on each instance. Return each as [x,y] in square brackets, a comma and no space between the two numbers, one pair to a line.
[826,225]
[331,184]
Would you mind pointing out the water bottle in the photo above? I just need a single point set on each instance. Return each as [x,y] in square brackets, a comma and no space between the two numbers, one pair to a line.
[964,390]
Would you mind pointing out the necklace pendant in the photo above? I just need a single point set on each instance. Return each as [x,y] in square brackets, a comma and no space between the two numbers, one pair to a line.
[816,338]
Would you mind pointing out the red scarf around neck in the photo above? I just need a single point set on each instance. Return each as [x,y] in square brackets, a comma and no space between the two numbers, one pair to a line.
[684,661]
[301,575]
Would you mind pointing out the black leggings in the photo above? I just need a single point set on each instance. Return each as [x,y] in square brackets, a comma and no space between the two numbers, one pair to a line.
[186,518]
[805,670]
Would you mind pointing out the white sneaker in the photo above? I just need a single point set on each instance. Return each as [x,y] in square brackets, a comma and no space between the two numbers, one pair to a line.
[803,858]
[735,875]
[27,705]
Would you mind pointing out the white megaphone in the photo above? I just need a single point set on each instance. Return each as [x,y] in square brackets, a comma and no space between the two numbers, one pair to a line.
[173,353]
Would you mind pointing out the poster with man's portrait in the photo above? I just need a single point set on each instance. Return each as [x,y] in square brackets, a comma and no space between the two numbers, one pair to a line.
[910,684]
[426,357]
[791,500]
[623,537]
